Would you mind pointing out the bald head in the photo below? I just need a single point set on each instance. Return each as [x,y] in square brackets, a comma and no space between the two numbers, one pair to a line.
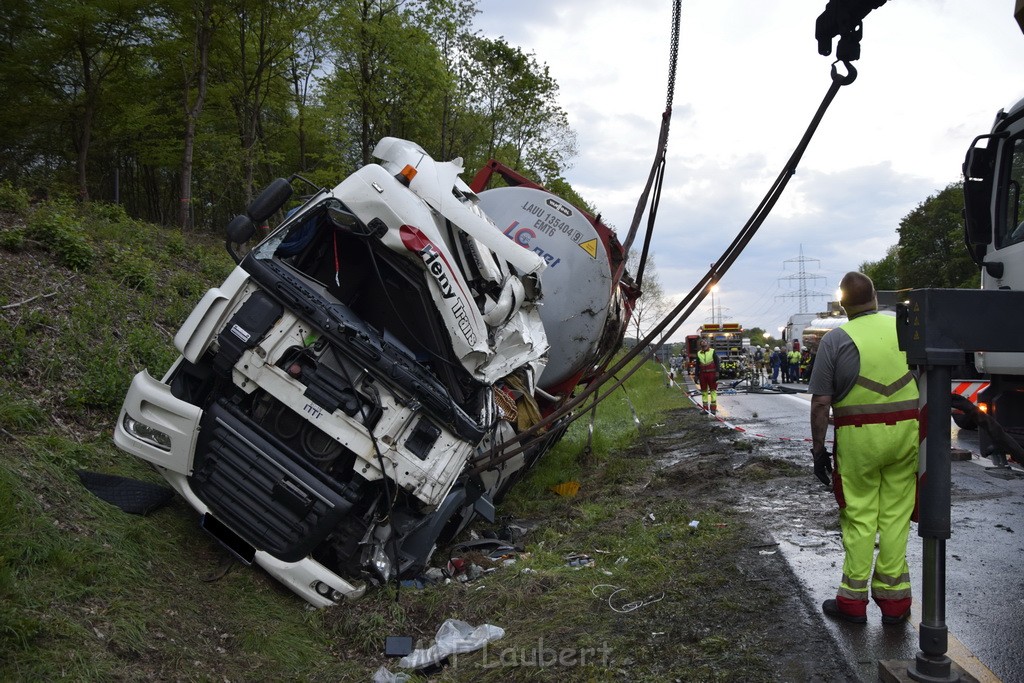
[858,294]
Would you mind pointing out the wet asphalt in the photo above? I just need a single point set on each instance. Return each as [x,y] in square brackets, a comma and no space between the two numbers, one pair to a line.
[984,583]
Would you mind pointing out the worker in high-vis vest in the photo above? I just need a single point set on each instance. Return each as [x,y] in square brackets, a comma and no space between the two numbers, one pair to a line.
[862,376]
[706,369]
[794,364]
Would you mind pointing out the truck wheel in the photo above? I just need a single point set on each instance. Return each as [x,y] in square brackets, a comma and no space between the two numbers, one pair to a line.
[964,421]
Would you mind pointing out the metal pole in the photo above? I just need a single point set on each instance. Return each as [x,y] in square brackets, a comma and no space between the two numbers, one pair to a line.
[931,663]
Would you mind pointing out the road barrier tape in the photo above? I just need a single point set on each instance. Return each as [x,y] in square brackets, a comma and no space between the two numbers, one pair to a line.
[692,395]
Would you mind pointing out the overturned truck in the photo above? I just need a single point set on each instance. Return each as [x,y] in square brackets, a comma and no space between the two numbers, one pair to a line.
[340,403]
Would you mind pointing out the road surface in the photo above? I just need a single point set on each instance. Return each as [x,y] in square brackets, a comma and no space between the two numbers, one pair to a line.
[984,605]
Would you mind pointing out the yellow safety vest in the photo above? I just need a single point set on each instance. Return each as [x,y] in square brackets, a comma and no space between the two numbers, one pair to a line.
[880,412]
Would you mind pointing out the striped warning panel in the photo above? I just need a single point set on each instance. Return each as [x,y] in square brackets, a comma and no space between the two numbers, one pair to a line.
[969,389]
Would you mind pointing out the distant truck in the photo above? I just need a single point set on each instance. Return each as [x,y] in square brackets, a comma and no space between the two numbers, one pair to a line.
[726,339]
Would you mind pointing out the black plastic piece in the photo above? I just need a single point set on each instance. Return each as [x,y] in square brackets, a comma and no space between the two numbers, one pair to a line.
[422,439]
[329,390]
[245,329]
[397,646]
[232,542]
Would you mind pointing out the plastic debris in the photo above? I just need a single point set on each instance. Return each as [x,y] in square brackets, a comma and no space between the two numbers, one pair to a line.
[629,606]
[567,488]
[453,637]
[579,560]
[384,676]
[694,524]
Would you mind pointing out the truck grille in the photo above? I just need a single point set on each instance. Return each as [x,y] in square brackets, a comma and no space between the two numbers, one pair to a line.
[262,490]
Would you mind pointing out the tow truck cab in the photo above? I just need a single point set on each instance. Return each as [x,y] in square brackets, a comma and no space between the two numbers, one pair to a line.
[994,232]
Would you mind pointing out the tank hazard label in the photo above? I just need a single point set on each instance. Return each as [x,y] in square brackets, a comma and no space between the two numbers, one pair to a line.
[590,246]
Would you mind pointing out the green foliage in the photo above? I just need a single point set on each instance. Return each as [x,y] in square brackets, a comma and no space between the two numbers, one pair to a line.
[215,266]
[97,89]
[12,199]
[103,381]
[186,286]
[884,272]
[756,334]
[17,416]
[60,232]
[175,245]
[132,269]
[12,239]
[930,251]
[105,212]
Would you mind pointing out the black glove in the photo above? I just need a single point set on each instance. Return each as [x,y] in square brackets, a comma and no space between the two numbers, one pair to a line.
[822,466]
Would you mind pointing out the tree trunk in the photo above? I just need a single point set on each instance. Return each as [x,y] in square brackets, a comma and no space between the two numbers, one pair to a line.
[203,38]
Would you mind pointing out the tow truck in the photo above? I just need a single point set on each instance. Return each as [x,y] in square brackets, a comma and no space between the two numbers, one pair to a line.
[726,339]
[340,402]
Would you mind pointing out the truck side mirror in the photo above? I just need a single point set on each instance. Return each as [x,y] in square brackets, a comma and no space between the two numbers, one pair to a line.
[979,169]
[269,200]
[240,229]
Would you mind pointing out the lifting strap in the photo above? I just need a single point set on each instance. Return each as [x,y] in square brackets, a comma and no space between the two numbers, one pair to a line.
[657,174]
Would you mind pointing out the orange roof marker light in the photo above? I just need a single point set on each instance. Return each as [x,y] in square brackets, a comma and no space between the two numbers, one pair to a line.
[406,175]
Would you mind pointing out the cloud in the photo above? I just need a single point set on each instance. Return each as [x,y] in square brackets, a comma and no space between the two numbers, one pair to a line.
[932,75]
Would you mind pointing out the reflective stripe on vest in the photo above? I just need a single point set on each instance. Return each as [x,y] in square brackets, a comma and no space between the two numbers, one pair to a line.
[885,391]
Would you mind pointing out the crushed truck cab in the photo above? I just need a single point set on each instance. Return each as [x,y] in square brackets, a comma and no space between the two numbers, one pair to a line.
[335,394]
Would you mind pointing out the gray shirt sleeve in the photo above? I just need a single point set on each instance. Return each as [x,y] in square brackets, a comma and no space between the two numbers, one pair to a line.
[836,365]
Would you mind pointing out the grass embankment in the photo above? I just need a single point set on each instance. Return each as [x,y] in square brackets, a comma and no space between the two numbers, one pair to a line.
[87,592]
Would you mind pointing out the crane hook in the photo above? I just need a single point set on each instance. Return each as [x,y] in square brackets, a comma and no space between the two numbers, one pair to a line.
[849,77]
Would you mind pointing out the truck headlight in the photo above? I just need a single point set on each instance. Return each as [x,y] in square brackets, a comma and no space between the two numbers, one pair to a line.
[142,432]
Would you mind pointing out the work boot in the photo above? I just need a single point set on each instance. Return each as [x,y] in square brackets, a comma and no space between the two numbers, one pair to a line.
[714,409]
[901,619]
[831,609]
[896,620]
[895,611]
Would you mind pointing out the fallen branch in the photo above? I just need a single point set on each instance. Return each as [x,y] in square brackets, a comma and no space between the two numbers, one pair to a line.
[37,296]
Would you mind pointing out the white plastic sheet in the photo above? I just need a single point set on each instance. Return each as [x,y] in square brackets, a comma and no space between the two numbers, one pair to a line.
[454,637]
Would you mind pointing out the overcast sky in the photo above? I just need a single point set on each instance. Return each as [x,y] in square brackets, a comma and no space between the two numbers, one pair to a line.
[932,75]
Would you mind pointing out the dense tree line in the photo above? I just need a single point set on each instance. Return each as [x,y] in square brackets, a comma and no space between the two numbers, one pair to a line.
[181,109]
[930,251]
